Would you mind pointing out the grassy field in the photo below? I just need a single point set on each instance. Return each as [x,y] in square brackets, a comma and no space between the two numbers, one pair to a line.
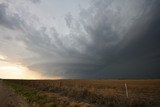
[89,93]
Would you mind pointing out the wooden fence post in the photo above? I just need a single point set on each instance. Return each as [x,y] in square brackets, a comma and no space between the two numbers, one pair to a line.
[126,90]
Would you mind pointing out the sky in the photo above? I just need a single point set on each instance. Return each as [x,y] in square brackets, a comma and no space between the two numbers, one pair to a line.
[80,39]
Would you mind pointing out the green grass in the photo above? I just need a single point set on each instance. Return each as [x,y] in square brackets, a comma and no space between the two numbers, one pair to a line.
[30,94]
[53,104]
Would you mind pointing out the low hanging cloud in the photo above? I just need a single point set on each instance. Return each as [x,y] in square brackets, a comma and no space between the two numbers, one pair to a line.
[68,19]
[36,1]
[110,39]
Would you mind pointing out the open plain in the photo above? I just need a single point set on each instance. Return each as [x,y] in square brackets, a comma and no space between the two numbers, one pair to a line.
[88,93]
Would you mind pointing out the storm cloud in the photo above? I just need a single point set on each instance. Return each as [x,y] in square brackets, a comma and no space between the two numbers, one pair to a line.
[107,39]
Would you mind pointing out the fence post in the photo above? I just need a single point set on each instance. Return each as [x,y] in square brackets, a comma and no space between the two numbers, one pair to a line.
[126,90]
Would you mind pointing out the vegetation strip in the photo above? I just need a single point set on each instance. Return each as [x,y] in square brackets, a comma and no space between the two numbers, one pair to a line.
[32,96]
[101,93]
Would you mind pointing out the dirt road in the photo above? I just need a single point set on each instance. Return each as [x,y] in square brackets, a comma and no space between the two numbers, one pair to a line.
[8,98]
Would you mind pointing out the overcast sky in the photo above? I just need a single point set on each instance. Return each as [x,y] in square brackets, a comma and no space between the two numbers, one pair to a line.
[82,39]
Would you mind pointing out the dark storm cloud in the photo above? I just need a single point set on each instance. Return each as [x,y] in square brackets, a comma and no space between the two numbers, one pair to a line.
[141,56]
[36,1]
[7,21]
[111,39]
[116,51]
[68,19]
[122,44]
[35,40]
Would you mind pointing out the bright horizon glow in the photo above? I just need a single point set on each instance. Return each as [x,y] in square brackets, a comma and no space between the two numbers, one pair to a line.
[2,57]
[17,71]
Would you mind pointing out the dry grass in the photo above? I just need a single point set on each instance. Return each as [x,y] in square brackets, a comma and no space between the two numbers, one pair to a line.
[100,93]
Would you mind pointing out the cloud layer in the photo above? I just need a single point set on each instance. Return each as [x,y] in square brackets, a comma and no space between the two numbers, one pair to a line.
[109,39]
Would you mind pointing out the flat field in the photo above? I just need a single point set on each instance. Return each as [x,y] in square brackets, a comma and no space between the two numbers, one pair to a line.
[88,93]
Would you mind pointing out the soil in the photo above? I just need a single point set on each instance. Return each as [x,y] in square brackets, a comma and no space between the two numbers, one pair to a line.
[9,99]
